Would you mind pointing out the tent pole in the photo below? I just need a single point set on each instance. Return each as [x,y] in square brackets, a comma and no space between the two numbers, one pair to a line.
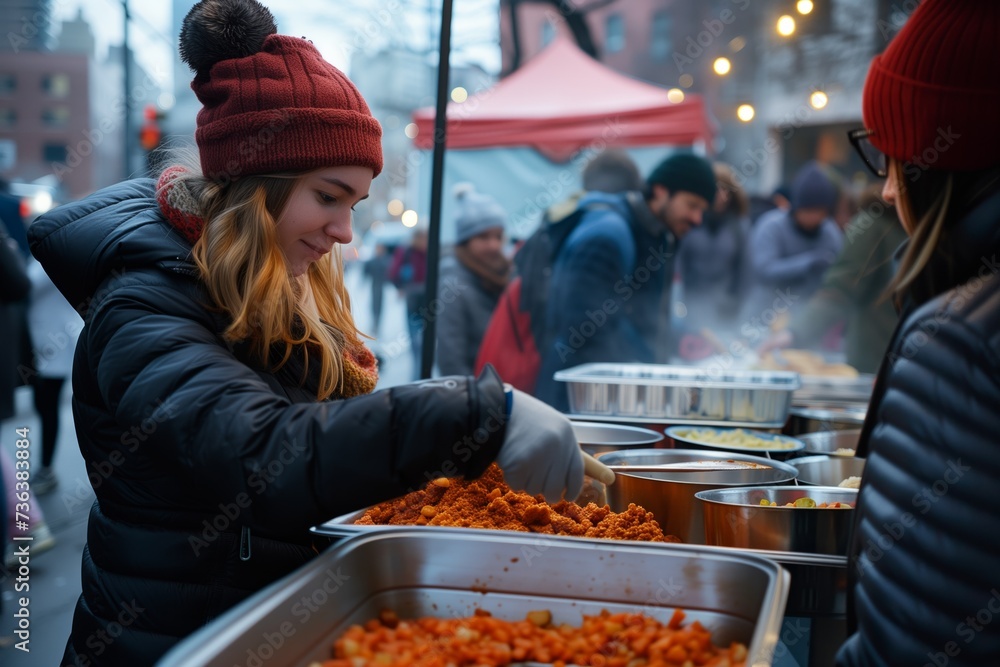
[437,183]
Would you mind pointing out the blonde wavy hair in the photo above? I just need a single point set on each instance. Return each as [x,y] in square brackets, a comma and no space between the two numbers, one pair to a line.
[246,275]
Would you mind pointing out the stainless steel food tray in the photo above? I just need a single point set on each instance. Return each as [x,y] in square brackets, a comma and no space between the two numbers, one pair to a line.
[449,573]
[818,585]
[679,393]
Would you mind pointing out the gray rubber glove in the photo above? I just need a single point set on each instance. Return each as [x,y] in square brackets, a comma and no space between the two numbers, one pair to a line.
[540,453]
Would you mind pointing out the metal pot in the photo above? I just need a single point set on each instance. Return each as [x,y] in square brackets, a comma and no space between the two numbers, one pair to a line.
[670,495]
[810,420]
[828,470]
[735,518]
[597,438]
[828,442]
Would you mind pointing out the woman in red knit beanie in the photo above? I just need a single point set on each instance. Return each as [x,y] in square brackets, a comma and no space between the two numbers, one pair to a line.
[925,559]
[223,398]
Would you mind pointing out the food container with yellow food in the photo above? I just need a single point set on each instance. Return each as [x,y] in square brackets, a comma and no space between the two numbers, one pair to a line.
[733,440]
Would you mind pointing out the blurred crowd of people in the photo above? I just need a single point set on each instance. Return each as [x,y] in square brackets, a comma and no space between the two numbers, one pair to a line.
[807,267]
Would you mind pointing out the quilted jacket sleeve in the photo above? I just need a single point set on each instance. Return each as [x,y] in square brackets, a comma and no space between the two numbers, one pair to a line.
[926,555]
[228,430]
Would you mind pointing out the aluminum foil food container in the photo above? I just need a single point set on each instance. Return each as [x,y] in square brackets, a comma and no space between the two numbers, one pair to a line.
[679,393]
[449,573]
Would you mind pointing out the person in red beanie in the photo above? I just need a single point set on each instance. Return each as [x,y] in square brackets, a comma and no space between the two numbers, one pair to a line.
[924,564]
[222,395]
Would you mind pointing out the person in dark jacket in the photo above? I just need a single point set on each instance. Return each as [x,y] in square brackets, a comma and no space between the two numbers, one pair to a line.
[789,251]
[221,394]
[611,281]
[854,291]
[924,564]
[472,279]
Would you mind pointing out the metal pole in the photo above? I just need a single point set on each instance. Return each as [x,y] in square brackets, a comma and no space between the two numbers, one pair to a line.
[127,125]
[437,181]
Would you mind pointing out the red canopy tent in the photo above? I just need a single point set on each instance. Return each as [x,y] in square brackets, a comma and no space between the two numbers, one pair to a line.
[560,102]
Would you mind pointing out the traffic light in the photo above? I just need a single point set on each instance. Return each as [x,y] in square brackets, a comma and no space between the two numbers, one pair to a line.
[150,134]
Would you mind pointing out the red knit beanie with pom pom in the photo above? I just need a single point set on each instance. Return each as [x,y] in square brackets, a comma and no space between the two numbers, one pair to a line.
[270,102]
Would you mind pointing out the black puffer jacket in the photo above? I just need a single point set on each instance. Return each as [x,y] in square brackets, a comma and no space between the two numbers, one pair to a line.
[925,562]
[209,473]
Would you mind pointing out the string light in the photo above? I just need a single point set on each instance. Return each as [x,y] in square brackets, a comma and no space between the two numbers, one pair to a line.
[675,95]
[804,6]
[786,26]
[745,112]
[818,100]
[722,66]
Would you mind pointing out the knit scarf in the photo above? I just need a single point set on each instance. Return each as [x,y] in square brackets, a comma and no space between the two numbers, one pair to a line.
[360,368]
[493,275]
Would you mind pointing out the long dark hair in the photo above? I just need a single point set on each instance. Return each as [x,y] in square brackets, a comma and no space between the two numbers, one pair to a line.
[929,203]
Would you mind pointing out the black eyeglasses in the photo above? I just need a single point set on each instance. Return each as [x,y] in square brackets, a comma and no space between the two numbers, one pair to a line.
[873,158]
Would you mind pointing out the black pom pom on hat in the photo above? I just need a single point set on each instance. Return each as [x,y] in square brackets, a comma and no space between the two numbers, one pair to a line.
[217,30]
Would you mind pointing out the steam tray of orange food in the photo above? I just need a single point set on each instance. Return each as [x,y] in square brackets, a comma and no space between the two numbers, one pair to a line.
[433,596]
[488,503]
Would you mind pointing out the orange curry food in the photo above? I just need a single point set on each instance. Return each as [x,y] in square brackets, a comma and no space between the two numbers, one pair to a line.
[488,502]
[608,640]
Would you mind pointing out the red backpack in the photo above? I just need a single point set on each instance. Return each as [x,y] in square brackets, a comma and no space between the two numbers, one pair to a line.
[509,343]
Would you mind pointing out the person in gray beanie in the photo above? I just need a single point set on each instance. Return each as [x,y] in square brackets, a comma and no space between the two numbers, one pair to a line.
[788,253]
[472,278]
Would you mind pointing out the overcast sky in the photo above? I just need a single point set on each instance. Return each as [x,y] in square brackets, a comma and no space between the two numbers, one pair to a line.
[336,27]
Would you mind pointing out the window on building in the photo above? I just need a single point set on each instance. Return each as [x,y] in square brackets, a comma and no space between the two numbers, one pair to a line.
[660,44]
[7,117]
[56,85]
[548,33]
[614,33]
[8,84]
[55,117]
[54,152]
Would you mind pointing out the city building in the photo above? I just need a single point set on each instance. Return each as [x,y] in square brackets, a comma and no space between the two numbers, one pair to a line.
[783,78]
[45,118]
